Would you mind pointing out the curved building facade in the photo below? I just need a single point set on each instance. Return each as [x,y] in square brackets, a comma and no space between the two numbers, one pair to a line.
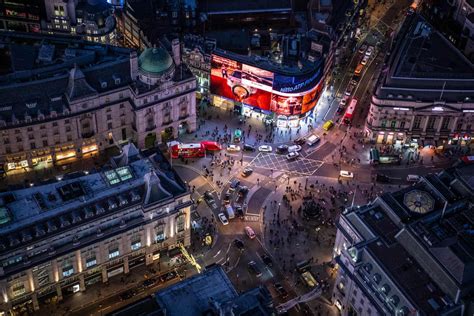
[255,86]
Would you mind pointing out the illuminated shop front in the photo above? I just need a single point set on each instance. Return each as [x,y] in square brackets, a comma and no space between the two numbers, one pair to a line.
[89,150]
[285,98]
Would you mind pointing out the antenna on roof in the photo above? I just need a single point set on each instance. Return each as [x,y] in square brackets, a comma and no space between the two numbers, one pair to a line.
[442,90]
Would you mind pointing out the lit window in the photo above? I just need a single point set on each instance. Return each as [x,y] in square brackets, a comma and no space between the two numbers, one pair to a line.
[91,262]
[136,245]
[114,253]
[68,271]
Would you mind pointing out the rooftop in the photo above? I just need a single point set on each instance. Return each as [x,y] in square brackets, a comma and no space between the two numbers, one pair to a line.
[425,66]
[208,293]
[31,214]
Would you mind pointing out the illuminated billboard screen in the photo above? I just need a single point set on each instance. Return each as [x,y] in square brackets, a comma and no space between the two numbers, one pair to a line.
[283,95]
[229,81]
[297,84]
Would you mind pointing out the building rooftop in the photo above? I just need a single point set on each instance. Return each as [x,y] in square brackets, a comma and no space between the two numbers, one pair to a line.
[208,293]
[425,66]
[32,214]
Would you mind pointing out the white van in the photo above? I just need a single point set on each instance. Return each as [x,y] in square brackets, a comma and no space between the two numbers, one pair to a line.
[313,139]
[230,211]
[413,178]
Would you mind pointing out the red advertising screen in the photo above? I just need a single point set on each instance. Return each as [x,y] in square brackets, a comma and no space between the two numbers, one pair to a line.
[226,81]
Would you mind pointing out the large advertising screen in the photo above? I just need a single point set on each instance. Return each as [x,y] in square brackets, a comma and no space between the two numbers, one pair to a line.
[230,81]
[283,95]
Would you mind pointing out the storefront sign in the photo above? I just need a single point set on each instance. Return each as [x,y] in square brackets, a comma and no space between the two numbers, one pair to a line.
[115,272]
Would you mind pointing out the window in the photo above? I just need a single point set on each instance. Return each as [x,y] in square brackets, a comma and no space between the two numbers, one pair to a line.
[431,122]
[136,245]
[32,145]
[68,128]
[459,126]
[6,141]
[18,139]
[45,143]
[69,138]
[180,223]
[109,125]
[109,116]
[18,290]
[121,105]
[384,123]
[114,253]
[393,124]
[68,271]
[402,124]
[417,122]
[160,233]
[90,262]
[445,124]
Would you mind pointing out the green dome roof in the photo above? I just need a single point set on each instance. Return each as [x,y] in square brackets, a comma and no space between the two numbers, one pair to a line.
[155,60]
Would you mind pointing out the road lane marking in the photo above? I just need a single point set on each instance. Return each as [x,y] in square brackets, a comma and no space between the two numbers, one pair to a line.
[217,253]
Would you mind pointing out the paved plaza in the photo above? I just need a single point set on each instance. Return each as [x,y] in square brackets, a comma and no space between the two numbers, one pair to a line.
[300,166]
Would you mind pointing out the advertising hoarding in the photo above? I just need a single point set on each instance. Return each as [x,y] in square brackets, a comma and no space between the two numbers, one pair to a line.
[262,89]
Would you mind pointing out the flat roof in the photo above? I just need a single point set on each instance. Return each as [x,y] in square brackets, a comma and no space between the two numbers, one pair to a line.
[193,296]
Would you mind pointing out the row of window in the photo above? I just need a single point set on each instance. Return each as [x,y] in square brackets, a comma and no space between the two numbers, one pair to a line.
[417,123]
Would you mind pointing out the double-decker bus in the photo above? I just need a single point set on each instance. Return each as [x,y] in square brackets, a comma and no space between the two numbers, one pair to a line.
[195,150]
[347,119]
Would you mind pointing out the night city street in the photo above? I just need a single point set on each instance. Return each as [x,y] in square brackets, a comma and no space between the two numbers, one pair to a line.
[204,157]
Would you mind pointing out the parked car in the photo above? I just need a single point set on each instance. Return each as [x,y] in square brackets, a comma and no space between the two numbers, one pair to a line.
[250,232]
[233,148]
[340,110]
[208,197]
[239,244]
[413,178]
[266,259]
[265,148]
[243,190]
[223,219]
[246,172]
[282,149]
[253,268]
[346,174]
[293,155]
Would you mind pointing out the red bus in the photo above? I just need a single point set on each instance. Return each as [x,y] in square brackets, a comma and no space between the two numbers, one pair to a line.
[196,150]
[347,119]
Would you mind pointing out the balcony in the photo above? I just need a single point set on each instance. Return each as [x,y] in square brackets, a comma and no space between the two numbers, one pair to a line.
[167,122]
[150,128]
[183,116]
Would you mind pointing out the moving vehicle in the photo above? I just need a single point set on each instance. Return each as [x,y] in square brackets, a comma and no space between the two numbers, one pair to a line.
[248,147]
[348,116]
[343,101]
[230,211]
[350,88]
[328,125]
[223,219]
[365,60]
[233,148]
[127,295]
[346,174]
[391,159]
[246,172]
[413,178]
[252,266]
[266,259]
[369,51]
[280,290]
[249,231]
[239,244]
[313,139]
[282,149]
[294,148]
[227,198]
[309,279]
[299,141]
[265,148]
[243,190]
[362,49]
[340,109]
[148,283]
[358,69]
[195,150]
[293,155]
[374,156]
